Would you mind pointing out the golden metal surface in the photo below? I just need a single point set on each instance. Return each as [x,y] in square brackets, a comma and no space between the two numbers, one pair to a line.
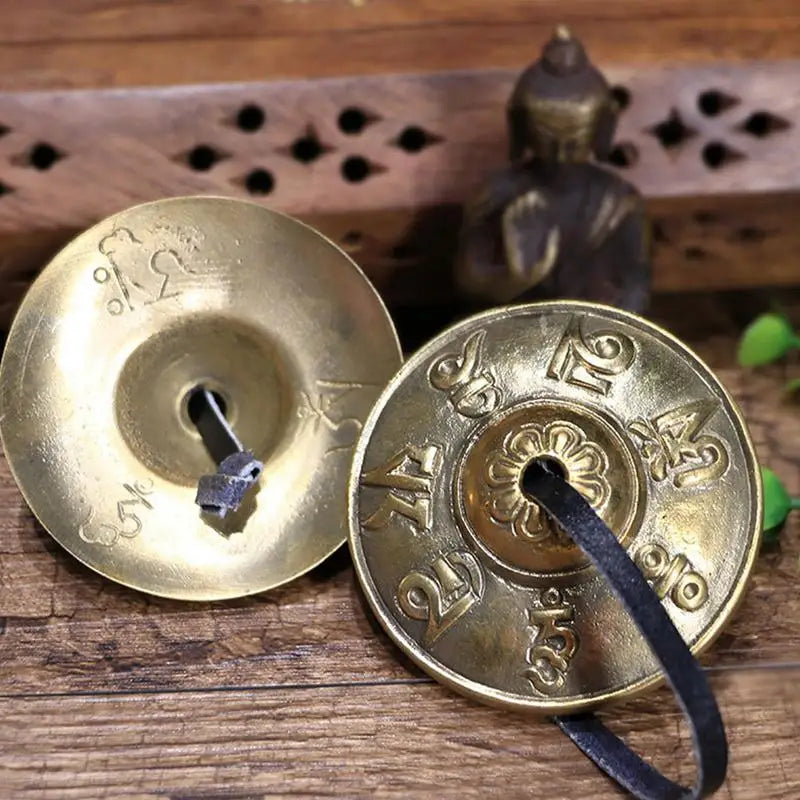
[467,574]
[112,338]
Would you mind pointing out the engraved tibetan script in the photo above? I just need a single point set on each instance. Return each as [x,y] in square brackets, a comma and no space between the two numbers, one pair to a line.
[409,477]
[128,523]
[555,641]
[470,385]
[674,577]
[673,445]
[442,594]
[141,273]
[590,360]
[325,407]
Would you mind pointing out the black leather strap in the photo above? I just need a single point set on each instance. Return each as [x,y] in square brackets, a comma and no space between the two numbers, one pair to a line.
[225,490]
[238,469]
[213,427]
[688,681]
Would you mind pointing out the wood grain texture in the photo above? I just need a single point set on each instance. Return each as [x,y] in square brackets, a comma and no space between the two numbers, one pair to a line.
[108,693]
[392,740]
[93,20]
[89,43]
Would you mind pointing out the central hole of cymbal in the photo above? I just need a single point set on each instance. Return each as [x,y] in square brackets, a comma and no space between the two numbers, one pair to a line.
[207,411]
[196,404]
[551,465]
[237,468]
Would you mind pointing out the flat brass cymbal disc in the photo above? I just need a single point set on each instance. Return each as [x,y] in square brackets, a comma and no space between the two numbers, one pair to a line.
[468,575]
[118,332]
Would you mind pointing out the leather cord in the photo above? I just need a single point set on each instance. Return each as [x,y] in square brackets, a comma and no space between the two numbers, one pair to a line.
[687,679]
[238,468]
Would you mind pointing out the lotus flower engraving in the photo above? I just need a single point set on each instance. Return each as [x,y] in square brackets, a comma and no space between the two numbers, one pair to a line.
[584,462]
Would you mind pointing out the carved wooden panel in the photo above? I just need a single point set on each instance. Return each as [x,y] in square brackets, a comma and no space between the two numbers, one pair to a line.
[345,145]
[383,164]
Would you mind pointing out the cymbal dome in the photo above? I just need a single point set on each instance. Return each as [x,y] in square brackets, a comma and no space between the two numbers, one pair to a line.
[119,329]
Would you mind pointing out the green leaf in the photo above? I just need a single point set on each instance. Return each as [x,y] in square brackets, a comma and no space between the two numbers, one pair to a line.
[766,339]
[777,502]
[792,386]
[772,535]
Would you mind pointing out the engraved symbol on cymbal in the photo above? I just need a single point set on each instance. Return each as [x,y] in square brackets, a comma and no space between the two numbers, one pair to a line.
[555,641]
[141,275]
[409,476]
[672,577]
[673,446]
[323,408]
[591,360]
[442,595]
[129,522]
[470,386]
[584,463]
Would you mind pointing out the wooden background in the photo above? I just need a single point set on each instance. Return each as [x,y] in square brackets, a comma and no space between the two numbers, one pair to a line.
[79,43]
[108,693]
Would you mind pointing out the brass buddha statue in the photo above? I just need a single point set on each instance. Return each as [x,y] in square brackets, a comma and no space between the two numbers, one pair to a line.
[555,223]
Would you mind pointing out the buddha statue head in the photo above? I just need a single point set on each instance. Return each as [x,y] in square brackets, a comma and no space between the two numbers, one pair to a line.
[562,108]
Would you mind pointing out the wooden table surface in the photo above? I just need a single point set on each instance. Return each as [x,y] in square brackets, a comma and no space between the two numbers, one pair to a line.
[109,693]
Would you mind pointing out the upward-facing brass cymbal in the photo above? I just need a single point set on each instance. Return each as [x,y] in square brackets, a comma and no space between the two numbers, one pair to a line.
[109,345]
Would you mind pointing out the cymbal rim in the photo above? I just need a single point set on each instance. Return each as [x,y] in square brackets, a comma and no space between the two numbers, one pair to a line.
[358,336]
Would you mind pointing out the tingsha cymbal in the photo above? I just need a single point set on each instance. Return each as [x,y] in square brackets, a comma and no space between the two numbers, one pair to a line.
[469,576]
[118,335]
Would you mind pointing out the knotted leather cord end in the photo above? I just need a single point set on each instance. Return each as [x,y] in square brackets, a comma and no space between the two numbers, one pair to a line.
[238,469]
[224,490]
[687,679]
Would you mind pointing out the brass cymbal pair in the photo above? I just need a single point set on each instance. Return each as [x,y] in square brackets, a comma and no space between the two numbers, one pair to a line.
[467,575]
